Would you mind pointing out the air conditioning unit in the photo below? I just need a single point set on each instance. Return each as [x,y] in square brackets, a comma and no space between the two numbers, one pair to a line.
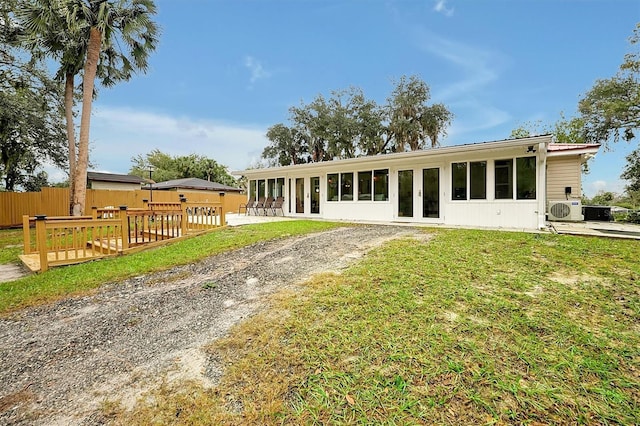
[565,210]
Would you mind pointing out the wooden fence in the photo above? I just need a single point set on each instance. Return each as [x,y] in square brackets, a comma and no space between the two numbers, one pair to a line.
[55,201]
[64,240]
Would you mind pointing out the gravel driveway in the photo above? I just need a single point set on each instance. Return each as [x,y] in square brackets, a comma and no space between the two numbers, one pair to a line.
[60,362]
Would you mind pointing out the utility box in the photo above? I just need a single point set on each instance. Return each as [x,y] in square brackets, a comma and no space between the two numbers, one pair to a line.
[597,213]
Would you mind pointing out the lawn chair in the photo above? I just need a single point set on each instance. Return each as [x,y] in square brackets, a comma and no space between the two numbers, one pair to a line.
[247,206]
[267,205]
[258,205]
[277,205]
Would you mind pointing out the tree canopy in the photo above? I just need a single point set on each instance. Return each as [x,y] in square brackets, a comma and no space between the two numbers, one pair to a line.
[611,109]
[31,120]
[101,39]
[348,125]
[166,167]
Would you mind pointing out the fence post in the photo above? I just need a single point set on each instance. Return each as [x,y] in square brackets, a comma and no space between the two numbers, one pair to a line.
[184,221]
[222,219]
[124,227]
[94,212]
[26,234]
[41,241]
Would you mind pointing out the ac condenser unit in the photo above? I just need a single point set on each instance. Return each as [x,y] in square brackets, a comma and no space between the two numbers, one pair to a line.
[565,210]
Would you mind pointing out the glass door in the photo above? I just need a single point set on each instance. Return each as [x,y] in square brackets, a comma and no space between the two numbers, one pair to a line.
[315,195]
[299,195]
[431,192]
[405,193]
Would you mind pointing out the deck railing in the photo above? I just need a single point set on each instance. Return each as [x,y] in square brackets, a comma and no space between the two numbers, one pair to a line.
[110,231]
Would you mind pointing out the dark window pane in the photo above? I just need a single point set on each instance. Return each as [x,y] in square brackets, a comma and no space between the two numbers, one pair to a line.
[526,178]
[332,187]
[431,193]
[459,181]
[346,186]
[478,177]
[504,179]
[364,185]
[381,185]
[405,193]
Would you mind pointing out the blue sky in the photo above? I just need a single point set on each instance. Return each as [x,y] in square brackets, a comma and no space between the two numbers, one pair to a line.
[226,70]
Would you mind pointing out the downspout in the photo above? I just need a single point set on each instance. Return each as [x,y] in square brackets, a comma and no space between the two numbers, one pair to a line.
[542,185]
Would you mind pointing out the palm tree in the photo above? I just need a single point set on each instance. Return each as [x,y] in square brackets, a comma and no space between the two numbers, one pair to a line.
[46,33]
[108,39]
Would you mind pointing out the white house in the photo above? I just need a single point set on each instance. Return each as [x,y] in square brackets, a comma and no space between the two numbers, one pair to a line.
[502,184]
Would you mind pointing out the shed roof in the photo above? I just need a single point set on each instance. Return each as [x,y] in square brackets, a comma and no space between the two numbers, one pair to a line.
[194,183]
[112,177]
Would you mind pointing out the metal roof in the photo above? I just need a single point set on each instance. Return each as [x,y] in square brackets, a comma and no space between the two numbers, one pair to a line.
[111,177]
[193,183]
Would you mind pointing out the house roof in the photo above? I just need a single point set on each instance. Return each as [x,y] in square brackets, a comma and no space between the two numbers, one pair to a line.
[571,146]
[111,177]
[194,183]
[431,152]
[562,149]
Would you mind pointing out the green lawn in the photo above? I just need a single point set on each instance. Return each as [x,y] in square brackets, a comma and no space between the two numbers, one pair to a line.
[67,281]
[10,245]
[469,327]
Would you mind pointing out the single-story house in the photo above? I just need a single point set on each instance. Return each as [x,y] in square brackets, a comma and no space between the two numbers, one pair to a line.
[97,180]
[193,185]
[511,183]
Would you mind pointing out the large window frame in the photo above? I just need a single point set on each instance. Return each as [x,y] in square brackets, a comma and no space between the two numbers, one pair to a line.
[459,181]
[477,180]
[332,187]
[365,185]
[503,183]
[346,186]
[526,178]
[381,185]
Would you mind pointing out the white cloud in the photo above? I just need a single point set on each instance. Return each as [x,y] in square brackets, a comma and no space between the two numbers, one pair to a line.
[257,70]
[119,134]
[467,95]
[441,7]
[592,188]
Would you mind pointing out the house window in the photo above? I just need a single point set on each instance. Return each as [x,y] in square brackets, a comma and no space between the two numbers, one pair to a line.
[271,188]
[279,187]
[458,181]
[261,188]
[526,178]
[504,179]
[346,186]
[381,185]
[364,185]
[332,187]
[252,189]
[478,180]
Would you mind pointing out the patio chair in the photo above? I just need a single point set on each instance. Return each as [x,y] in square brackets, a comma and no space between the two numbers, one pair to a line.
[247,206]
[267,206]
[258,205]
[277,205]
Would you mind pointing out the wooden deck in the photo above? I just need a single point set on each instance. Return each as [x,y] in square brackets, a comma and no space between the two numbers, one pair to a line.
[32,261]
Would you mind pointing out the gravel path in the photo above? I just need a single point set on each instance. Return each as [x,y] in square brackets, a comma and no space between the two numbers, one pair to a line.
[60,362]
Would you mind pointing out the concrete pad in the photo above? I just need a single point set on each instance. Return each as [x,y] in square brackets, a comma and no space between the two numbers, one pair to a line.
[10,272]
[598,229]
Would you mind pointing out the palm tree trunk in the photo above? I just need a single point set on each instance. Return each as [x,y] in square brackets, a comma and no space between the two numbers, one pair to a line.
[88,81]
[71,137]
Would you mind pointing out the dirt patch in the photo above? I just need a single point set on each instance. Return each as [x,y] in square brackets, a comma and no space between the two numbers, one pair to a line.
[78,355]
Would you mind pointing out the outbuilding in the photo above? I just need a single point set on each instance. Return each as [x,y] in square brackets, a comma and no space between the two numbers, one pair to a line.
[502,184]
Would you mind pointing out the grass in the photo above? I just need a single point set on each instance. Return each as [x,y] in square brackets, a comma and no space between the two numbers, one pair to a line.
[10,245]
[58,283]
[469,327]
